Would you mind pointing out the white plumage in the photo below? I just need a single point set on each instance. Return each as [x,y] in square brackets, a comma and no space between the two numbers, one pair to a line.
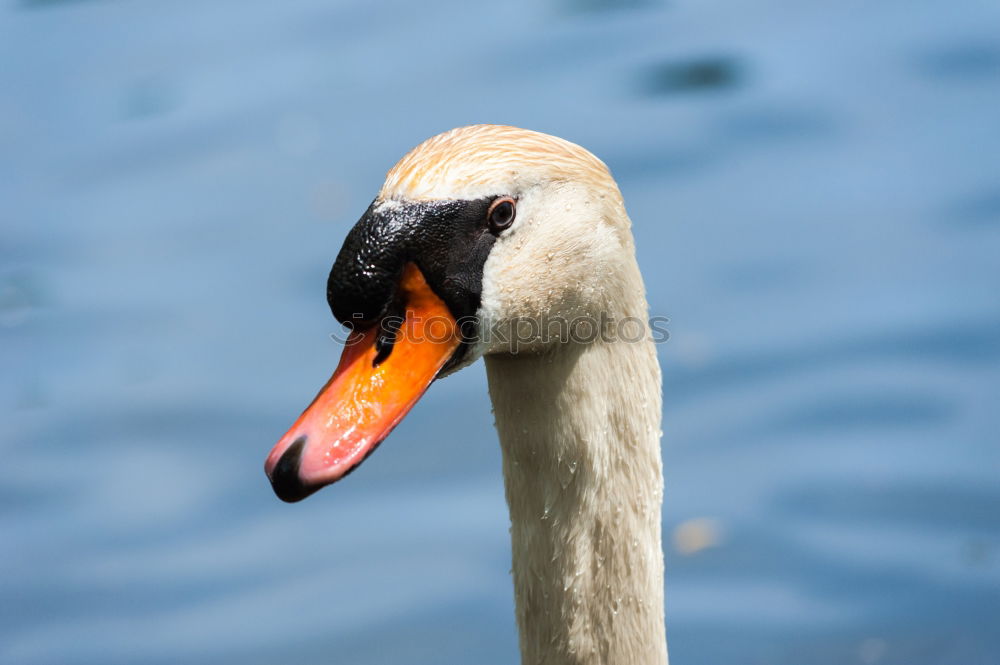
[579,422]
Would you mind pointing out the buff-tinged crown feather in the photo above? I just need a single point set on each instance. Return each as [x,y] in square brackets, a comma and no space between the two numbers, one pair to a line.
[481,160]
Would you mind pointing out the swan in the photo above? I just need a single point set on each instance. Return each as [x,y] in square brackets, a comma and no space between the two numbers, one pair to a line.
[514,246]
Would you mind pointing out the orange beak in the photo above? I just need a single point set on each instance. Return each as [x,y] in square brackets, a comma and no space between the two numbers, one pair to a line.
[368,394]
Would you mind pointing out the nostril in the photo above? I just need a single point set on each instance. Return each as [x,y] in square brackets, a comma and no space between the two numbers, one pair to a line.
[285,480]
[388,331]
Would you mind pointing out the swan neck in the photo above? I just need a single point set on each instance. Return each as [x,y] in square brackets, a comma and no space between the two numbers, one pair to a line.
[579,428]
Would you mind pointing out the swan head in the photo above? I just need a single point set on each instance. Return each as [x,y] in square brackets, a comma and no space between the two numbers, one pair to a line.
[483,240]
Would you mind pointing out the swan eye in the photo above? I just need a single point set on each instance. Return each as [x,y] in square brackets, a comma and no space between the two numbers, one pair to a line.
[501,214]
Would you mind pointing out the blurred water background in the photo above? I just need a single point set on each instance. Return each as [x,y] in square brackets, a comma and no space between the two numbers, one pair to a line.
[815,189]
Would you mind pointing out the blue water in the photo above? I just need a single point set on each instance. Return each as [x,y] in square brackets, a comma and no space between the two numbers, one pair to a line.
[815,188]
